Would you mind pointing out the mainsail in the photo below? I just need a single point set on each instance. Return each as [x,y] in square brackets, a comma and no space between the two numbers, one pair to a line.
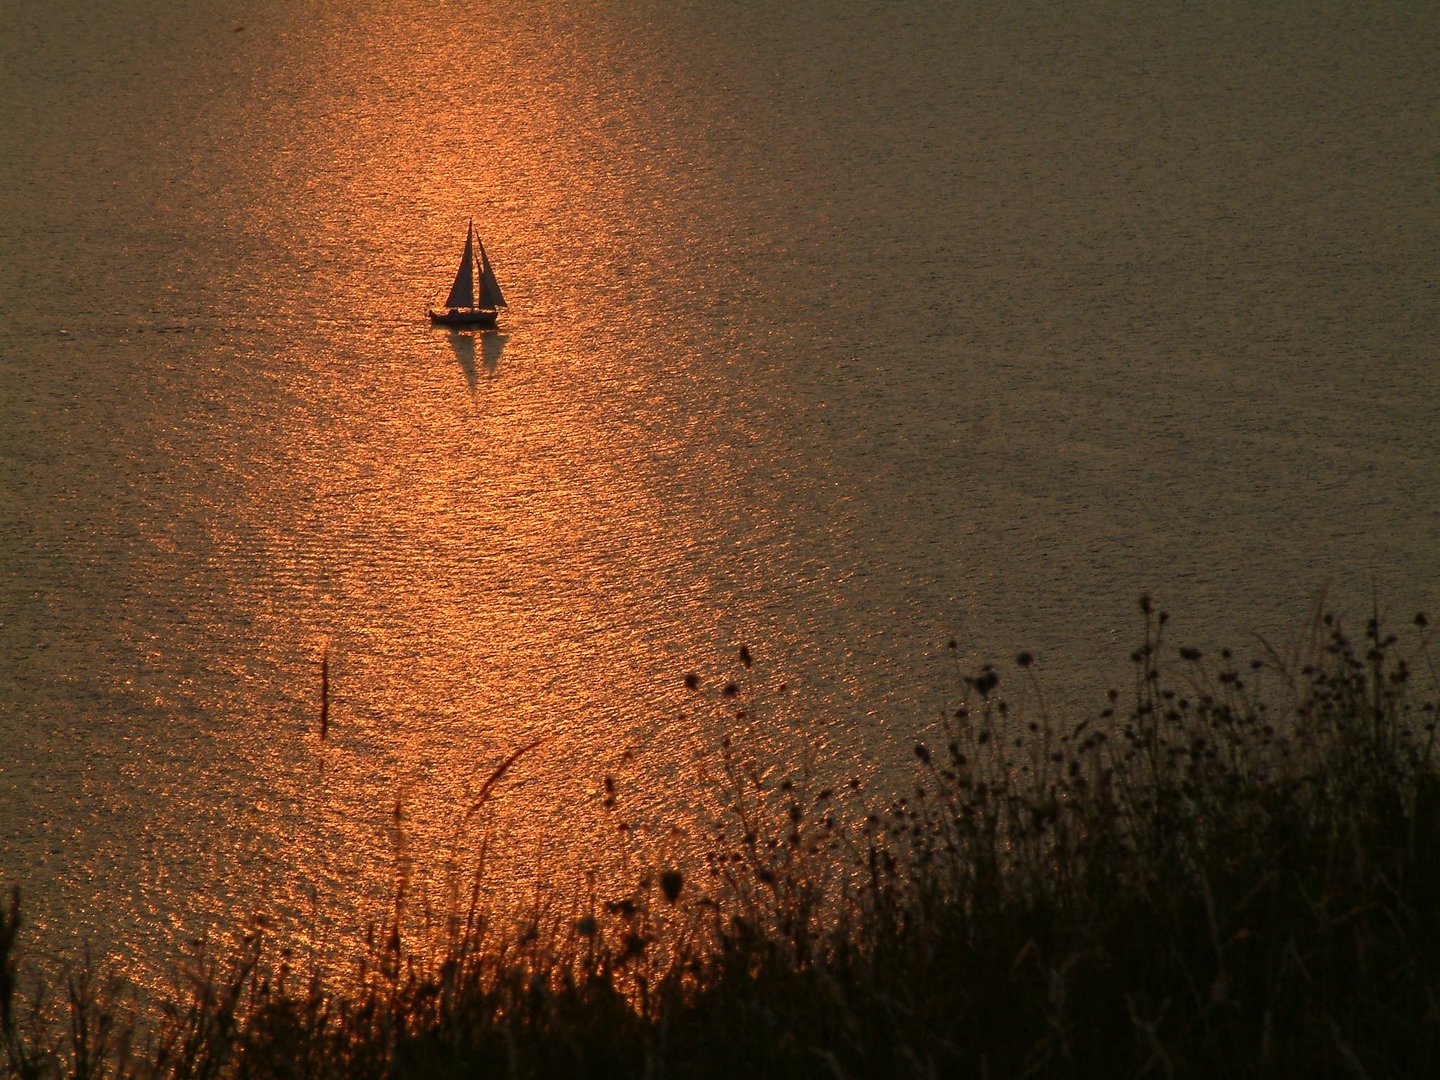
[462,293]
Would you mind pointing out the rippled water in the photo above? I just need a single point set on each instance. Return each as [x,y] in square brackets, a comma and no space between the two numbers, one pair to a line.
[838,330]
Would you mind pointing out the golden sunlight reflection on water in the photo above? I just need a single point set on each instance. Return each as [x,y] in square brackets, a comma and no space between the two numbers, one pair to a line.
[495,537]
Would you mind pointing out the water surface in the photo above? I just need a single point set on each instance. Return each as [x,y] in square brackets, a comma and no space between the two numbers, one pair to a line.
[838,331]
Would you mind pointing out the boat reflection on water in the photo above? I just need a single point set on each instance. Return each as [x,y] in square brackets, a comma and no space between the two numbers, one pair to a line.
[462,344]
[492,344]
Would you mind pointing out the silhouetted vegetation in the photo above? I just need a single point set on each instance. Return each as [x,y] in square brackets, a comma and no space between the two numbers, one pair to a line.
[1232,871]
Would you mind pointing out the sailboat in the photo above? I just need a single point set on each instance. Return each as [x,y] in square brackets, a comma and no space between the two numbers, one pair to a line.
[462,306]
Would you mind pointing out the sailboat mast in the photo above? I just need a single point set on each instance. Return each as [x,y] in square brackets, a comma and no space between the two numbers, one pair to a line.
[470,253]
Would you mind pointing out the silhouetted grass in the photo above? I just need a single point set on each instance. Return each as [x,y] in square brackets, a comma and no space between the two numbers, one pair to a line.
[1233,871]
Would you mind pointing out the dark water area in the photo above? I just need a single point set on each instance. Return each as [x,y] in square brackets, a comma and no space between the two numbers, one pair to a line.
[842,332]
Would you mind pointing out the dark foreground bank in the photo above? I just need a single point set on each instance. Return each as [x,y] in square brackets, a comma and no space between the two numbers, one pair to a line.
[1234,871]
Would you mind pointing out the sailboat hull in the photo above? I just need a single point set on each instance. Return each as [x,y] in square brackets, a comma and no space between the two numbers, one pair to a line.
[464,316]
